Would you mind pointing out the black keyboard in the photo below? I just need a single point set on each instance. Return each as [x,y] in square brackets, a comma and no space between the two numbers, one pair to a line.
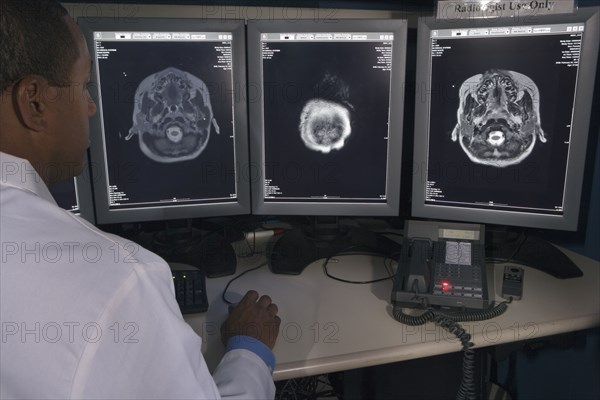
[190,288]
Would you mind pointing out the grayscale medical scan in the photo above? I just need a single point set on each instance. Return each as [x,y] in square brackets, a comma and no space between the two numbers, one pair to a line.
[498,118]
[324,124]
[172,116]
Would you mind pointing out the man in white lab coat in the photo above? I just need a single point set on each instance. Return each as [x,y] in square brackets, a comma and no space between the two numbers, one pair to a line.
[80,317]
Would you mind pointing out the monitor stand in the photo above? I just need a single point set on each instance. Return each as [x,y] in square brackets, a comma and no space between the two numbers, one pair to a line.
[324,237]
[531,251]
[208,251]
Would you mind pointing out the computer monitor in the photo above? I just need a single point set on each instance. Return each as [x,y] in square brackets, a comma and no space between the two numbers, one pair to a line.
[169,139]
[326,107]
[503,108]
[65,195]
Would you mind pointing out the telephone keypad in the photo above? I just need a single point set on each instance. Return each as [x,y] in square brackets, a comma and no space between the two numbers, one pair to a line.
[458,269]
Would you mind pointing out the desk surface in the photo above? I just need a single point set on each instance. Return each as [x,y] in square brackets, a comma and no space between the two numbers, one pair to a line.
[330,326]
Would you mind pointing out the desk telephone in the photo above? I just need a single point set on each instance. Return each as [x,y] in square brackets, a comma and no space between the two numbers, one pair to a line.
[442,271]
[442,264]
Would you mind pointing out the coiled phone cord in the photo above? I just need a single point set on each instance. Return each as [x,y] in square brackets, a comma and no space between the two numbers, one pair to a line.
[449,321]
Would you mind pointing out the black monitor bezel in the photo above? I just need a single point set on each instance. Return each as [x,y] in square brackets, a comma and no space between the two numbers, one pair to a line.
[85,199]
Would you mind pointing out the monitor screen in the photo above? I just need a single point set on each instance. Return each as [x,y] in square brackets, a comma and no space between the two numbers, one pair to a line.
[502,119]
[65,195]
[169,139]
[75,195]
[326,118]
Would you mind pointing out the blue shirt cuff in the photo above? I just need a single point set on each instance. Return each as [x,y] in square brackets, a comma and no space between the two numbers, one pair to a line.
[253,345]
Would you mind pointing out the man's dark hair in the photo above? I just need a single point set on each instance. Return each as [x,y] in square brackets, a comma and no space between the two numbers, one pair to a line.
[35,40]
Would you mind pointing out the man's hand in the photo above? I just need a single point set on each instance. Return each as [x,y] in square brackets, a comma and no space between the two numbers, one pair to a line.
[253,317]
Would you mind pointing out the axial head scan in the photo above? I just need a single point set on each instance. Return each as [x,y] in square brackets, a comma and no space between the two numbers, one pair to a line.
[172,116]
[498,118]
[325,122]
[324,125]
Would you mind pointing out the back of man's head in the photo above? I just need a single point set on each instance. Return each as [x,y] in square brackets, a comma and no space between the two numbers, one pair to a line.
[35,40]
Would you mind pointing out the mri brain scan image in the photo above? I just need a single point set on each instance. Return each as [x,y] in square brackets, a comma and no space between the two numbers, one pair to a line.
[325,122]
[172,116]
[324,125]
[498,118]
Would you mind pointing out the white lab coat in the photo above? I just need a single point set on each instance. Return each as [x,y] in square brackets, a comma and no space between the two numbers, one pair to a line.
[86,314]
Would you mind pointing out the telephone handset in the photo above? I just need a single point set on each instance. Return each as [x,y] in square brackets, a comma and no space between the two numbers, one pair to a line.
[419,265]
[442,264]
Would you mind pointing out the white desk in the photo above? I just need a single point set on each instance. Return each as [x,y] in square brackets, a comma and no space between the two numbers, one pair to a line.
[330,326]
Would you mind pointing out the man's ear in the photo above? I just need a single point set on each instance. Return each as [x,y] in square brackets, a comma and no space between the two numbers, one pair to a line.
[30,99]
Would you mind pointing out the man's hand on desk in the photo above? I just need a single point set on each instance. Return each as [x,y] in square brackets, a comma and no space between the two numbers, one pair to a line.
[255,317]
